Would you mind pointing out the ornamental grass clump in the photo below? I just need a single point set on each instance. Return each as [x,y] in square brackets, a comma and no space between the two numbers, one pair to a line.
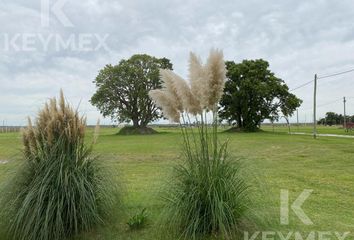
[61,190]
[206,195]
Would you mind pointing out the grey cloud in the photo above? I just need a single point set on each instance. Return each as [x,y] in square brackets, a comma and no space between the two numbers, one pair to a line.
[298,38]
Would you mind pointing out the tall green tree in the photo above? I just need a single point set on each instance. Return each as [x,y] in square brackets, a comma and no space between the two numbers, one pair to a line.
[122,89]
[253,93]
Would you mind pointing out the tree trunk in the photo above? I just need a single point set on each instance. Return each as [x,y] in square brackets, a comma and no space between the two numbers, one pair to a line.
[288,123]
[239,121]
[144,122]
[135,122]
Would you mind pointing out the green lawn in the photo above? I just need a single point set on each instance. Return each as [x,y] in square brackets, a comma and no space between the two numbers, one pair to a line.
[273,161]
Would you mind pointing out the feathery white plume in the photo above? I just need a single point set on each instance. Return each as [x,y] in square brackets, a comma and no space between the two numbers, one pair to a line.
[197,77]
[181,92]
[216,74]
[204,92]
[164,100]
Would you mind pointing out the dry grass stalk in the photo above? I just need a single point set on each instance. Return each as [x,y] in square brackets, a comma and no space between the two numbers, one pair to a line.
[96,132]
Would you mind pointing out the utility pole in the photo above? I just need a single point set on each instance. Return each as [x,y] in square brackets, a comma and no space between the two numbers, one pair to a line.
[314,107]
[297,118]
[345,118]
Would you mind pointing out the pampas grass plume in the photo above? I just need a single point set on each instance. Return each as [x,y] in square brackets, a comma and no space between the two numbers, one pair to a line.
[57,120]
[169,85]
[181,91]
[204,92]
[215,76]
[163,99]
[197,79]
[96,132]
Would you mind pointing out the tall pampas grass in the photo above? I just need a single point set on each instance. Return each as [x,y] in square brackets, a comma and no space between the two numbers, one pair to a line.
[61,189]
[206,194]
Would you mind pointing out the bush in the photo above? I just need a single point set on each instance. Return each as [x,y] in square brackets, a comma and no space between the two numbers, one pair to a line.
[61,190]
[206,195]
[138,221]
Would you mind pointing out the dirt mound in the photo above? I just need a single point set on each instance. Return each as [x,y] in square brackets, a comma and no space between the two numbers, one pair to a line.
[136,131]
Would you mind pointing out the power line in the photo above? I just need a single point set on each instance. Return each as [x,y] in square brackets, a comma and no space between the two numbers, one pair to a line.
[326,76]
[322,105]
[335,74]
[302,85]
[328,103]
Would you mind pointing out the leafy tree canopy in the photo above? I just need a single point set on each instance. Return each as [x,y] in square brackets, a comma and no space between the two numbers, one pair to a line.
[122,90]
[253,93]
[333,118]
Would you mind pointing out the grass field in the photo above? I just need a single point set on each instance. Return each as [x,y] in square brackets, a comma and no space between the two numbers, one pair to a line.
[274,161]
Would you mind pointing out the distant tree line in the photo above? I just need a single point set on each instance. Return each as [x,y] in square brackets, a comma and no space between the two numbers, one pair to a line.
[333,118]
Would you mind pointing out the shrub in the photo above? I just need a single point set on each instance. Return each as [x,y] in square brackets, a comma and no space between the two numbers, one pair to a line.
[206,195]
[61,189]
[138,221]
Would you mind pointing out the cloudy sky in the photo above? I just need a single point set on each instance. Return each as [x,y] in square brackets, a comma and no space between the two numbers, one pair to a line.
[46,45]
